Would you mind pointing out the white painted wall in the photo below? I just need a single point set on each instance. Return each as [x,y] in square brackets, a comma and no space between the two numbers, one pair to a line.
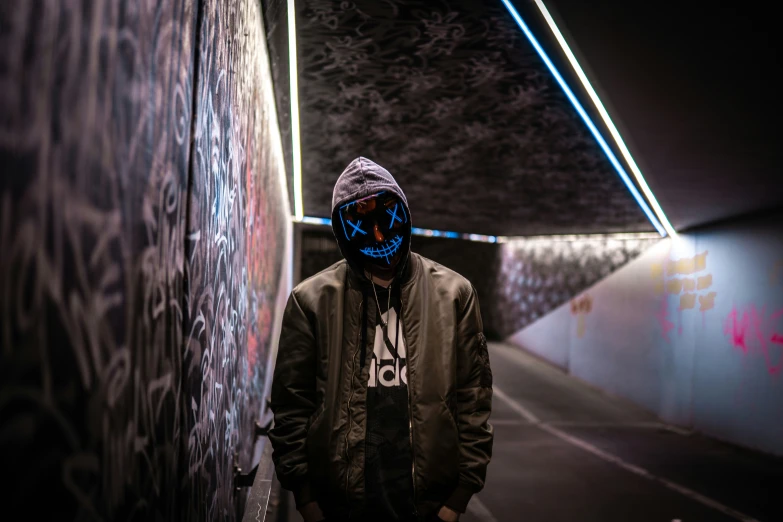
[717,370]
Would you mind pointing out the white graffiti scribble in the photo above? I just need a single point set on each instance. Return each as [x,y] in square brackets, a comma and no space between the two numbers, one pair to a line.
[144,235]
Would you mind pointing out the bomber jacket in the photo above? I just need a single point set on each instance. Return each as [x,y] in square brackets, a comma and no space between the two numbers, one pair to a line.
[319,389]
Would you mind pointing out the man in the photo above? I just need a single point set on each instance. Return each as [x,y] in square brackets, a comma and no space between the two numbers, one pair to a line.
[382,387]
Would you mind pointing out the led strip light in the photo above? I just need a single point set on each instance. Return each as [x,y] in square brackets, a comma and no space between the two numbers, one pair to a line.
[419,231]
[663,226]
[637,173]
[621,236]
[294,82]
[658,220]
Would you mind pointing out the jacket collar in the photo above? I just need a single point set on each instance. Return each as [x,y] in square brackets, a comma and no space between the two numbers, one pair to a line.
[408,274]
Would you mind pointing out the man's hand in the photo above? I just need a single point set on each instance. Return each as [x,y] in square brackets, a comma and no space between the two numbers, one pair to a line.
[449,515]
[311,512]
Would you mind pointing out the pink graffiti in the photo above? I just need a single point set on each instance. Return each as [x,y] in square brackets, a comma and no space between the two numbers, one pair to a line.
[750,333]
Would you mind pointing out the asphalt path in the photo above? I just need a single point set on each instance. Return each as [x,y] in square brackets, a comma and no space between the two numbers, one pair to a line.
[565,451]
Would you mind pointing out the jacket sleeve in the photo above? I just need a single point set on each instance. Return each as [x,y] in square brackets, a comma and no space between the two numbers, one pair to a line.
[474,404]
[293,400]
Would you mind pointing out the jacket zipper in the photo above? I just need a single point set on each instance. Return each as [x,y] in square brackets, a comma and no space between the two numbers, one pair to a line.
[410,413]
[350,397]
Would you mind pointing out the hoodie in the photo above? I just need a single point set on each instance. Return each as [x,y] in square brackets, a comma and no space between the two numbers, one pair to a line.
[362,178]
[388,458]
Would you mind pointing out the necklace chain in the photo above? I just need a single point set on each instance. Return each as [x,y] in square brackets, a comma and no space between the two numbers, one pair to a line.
[377,303]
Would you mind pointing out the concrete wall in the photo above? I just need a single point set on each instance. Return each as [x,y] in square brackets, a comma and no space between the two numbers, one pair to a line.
[691,330]
[144,225]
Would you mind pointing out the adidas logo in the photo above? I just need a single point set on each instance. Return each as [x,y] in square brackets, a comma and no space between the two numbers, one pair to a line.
[388,373]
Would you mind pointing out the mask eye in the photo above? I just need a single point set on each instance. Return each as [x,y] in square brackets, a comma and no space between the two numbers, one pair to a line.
[355,228]
[396,214]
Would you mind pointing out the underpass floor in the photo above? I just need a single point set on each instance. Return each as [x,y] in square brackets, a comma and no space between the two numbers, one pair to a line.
[565,451]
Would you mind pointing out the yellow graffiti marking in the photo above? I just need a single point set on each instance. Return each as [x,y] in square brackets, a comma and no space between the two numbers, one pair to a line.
[704,282]
[687,301]
[707,302]
[580,307]
[666,282]
[580,326]
[687,265]
[674,286]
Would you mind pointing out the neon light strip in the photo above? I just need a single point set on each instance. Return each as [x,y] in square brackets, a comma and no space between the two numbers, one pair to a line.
[607,120]
[316,221]
[590,125]
[294,81]
[621,236]
[418,231]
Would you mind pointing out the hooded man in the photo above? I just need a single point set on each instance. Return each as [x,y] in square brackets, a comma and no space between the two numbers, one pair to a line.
[382,388]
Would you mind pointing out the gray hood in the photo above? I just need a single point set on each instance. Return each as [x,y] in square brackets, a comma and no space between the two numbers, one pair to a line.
[363,178]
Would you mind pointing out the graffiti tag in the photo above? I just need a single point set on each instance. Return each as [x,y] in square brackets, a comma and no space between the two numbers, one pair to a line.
[580,307]
[678,277]
[753,332]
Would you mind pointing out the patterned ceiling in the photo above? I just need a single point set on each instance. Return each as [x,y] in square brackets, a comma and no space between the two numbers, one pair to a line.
[452,99]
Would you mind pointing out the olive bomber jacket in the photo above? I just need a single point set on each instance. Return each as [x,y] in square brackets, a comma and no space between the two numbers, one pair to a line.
[319,389]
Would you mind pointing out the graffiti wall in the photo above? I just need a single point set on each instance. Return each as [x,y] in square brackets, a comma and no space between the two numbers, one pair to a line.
[692,330]
[539,274]
[235,246]
[143,225]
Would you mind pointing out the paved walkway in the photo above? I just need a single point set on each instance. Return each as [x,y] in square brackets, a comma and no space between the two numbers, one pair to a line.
[566,452]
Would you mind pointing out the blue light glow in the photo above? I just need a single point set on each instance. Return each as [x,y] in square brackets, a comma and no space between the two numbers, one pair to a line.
[356,228]
[417,231]
[618,139]
[609,154]
[342,222]
[386,250]
[394,216]
[316,221]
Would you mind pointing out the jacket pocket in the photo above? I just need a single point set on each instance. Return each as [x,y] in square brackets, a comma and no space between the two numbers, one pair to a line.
[440,471]
[316,443]
[313,438]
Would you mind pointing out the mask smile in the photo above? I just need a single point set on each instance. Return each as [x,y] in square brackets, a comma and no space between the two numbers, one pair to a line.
[376,231]
[385,250]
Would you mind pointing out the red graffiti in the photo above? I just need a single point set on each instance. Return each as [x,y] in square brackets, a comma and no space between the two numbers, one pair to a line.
[751,332]
[582,305]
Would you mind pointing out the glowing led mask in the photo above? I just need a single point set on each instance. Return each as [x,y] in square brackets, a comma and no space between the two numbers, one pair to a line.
[376,228]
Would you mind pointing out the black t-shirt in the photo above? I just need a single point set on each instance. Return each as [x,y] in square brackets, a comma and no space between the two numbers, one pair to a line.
[388,457]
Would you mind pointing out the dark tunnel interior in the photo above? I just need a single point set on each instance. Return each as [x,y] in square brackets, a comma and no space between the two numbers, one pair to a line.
[604,177]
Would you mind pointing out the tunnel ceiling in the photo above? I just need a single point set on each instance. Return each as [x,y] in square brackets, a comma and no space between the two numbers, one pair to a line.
[691,89]
[452,99]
